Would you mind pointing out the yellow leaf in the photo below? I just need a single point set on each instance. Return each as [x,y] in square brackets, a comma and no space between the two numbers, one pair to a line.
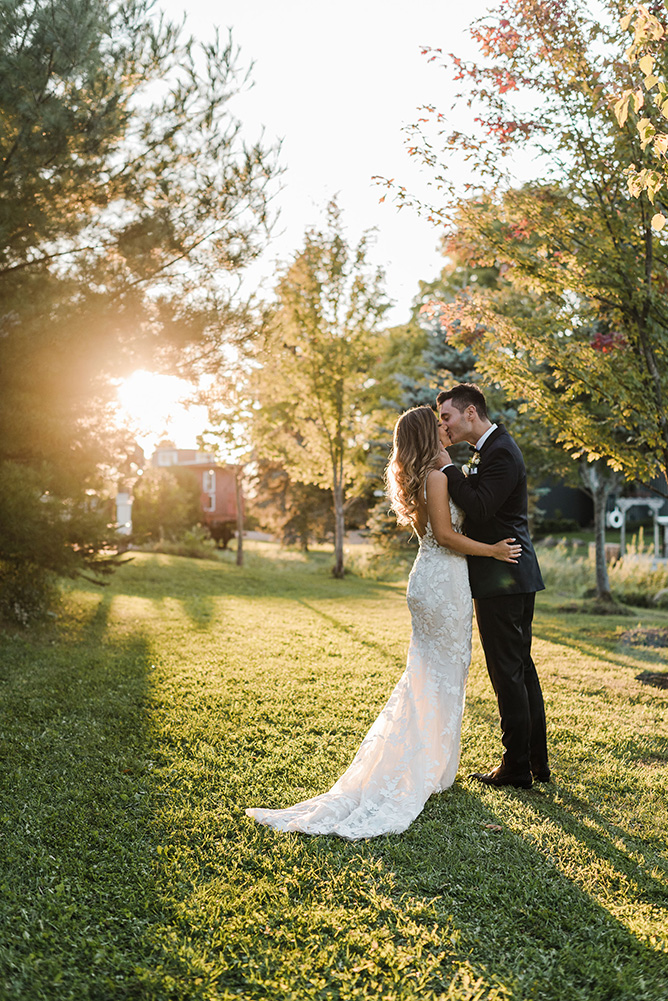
[638,100]
[626,20]
[658,221]
[660,145]
[650,81]
[646,65]
[622,108]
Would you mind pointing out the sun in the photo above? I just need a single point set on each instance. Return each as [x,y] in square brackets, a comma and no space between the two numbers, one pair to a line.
[152,406]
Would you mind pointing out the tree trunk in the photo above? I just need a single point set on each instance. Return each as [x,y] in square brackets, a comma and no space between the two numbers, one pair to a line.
[600,498]
[240,515]
[338,569]
[599,481]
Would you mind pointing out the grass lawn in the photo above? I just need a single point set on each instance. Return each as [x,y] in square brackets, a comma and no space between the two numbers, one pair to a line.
[136,728]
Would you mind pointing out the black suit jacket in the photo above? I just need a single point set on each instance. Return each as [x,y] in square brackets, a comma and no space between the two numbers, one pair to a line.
[494,502]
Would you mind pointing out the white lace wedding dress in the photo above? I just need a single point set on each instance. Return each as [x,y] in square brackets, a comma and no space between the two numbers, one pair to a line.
[412,749]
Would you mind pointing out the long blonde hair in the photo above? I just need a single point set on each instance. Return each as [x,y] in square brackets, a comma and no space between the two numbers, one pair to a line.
[415,452]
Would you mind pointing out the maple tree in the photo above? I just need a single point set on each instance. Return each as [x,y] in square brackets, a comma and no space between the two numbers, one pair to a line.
[577,326]
[646,104]
[574,238]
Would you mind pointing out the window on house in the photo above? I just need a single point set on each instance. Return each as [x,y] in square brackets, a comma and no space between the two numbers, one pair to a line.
[209,481]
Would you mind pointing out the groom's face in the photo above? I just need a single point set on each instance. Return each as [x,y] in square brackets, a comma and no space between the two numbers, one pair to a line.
[456,422]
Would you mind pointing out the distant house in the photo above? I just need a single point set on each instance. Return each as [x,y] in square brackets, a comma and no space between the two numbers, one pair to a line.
[218,497]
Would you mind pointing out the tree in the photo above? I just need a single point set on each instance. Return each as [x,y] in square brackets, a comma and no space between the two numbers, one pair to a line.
[599,481]
[166,503]
[230,409]
[315,363]
[550,347]
[646,103]
[585,349]
[129,203]
[575,236]
[295,512]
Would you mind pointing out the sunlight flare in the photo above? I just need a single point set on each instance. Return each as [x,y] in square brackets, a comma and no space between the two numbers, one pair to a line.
[156,407]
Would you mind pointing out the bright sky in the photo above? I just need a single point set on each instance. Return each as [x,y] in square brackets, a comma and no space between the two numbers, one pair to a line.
[336,83]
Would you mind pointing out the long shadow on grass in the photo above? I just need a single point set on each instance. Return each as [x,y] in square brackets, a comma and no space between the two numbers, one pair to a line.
[78,899]
[390,655]
[633,859]
[201,583]
[566,630]
[506,916]
[524,921]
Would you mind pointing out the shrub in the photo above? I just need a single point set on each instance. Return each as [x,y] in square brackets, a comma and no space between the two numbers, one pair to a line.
[564,571]
[378,562]
[196,543]
[45,536]
[27,592]
[554,526]
[634,580]
[166,503]
[384,531]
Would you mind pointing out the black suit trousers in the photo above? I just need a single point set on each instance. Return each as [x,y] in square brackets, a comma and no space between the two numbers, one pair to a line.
[504,623]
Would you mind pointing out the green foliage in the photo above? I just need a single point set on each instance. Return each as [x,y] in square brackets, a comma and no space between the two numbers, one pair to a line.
[195,543]
[27,593]
[645,103]
[128,868]
[314,364]
[166,504]
[44,536]
[569,355]
[296,513]
[385,532]
[580,318]
[636,579]
[129,199]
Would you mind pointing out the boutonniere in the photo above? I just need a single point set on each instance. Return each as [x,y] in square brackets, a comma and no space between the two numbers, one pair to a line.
[472,465]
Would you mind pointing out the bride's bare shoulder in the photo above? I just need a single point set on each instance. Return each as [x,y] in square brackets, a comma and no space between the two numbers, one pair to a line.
[437,482]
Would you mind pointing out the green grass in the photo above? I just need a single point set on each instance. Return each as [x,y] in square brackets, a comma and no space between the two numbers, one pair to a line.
[136,728]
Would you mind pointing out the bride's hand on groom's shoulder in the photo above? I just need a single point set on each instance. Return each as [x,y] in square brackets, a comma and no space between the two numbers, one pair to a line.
[508,551]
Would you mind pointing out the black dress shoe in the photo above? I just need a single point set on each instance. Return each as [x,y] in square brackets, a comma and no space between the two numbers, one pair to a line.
[499,777]
[543,776]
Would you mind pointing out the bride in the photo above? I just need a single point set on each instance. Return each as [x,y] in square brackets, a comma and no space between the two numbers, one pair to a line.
[412,749]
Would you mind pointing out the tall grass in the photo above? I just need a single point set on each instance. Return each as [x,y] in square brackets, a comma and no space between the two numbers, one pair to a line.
[635,579]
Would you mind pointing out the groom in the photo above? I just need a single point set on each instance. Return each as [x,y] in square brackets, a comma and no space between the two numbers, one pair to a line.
[493,497]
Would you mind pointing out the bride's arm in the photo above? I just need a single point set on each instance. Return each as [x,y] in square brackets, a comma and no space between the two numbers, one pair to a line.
[438,509]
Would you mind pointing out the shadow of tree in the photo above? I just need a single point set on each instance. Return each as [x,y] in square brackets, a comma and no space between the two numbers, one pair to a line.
[76,868]
[500,930]
[202,583]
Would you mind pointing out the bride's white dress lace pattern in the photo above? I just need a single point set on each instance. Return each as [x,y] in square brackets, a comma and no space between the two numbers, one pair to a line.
[412,749]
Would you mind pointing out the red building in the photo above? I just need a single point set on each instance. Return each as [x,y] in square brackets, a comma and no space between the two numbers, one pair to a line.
[218,495]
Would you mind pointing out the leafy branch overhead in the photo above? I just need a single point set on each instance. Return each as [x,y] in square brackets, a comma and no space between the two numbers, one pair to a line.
[577,326]
[131,201]
[647,104]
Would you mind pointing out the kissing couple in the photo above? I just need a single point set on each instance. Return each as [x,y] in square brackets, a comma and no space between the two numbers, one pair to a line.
[474,549]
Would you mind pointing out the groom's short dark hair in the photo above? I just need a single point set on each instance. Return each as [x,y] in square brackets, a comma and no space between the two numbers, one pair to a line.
[464,395]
